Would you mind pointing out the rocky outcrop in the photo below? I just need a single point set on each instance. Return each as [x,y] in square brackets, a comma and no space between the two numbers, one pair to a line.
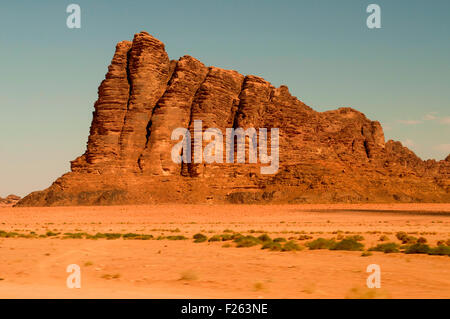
[333,156]
[10,200]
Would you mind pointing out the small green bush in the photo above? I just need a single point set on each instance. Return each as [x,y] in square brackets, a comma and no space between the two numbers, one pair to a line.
[290,246]
[226,237]
[422,240]
[51,234]
[347,244]
[199,238]
[386,248]
[280,240]
[215,238]
[440,251]
[247,241]
[75,235]
[271,246]
[264,238]
[178,237]
[401,235]
[418,249]
[405,238]
[321,243]
[111,236]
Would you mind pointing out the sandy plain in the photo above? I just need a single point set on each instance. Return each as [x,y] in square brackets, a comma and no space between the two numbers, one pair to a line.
[35,267]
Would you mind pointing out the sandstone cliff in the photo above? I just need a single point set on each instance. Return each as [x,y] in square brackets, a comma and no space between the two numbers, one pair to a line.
[334,156]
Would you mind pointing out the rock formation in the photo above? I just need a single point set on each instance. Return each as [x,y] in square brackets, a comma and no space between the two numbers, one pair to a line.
[333,156]
[10,200]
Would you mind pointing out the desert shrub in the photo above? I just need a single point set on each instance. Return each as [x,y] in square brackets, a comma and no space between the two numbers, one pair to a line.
[51,234]
[386,248]
[178,237]
[236,236]
[264,238]
[247,241]
[271,246]
[290,246]
[130,236]
[440,243]
[215,238]
[321,243]
[383,238]
[75,235]
[8,234]
[405,238]
[226,237]
[305,237]
[137,236]
[199,238]
[417,249]
[347,244]
[111,236]
[440,250]
[355,237]
[422,240]
[228,231]
[280,240]
[144,237]
[448,242]
[401,235]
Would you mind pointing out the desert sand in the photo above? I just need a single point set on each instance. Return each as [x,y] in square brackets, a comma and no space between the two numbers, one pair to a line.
[36,267]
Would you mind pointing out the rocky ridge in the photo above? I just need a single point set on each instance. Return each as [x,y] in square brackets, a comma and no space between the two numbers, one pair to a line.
[10,200]
[333,156]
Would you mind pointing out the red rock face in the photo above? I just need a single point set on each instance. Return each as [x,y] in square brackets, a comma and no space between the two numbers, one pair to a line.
[333,156]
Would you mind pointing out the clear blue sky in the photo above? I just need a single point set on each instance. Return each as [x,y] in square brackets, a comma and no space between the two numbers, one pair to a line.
[321,49]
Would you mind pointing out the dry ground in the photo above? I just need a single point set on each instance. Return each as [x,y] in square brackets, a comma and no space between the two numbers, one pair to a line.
[36,267]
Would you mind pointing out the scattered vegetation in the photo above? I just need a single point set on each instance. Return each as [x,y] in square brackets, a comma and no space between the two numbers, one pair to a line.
[440,251]
[273,246]
[247,241]
[386,248]
[290,246]
[348,244]
[418,249]
[264,238]
[321,243]
[178,237]
[199,238]
[51,234]
[405,238]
